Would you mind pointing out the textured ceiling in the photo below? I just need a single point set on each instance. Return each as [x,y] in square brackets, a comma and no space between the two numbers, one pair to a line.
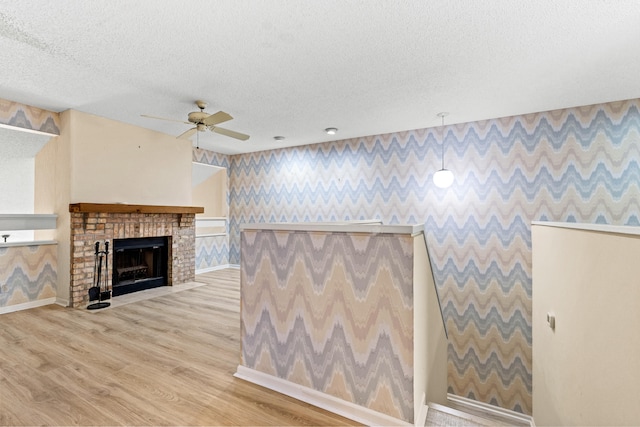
[20,145]
[296,67]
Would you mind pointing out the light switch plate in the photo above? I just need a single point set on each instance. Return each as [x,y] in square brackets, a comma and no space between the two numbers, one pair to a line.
[551,321]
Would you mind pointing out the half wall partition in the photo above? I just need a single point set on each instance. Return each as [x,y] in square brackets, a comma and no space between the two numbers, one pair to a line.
[343,316]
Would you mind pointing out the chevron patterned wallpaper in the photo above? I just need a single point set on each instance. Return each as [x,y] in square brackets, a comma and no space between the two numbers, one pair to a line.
[332,312]
[211,251]
[27,273]
[27,117]
[579,164]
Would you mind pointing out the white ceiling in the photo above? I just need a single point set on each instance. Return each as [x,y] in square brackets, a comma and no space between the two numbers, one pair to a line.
[20,145]
[296,67]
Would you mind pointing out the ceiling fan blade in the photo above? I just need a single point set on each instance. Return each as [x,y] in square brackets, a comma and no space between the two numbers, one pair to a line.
[187,134]
[162,118]
[231,133]
[216,118]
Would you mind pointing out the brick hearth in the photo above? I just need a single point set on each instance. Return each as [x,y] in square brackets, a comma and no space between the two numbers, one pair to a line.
[89,227]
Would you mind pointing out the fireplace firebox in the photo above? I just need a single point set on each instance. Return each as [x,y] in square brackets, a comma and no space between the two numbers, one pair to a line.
[139,264]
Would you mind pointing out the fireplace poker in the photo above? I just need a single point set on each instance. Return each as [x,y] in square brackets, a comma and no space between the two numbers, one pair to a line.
[106,294]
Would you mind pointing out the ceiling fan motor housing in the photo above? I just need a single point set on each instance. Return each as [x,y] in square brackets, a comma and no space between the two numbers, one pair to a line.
[197,117]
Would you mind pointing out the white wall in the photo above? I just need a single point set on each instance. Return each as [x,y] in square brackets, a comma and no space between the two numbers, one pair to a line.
[16,193]
[16,185]
[429,336]
[587,370]
[17,151]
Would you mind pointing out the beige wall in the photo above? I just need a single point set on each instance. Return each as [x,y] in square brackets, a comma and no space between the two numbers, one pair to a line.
[103,161]
[52,187]
[211,192]
[114,162]
[587,371]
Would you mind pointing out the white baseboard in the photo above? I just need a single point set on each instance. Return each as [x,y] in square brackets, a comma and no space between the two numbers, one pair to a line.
[506,414]
[62,302]
[217,267]
[321,400]
[27,305]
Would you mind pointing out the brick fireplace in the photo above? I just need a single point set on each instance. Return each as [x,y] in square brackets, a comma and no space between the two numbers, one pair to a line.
[91,222]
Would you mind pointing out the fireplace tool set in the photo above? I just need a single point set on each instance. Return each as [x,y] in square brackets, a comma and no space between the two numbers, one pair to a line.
[100,291]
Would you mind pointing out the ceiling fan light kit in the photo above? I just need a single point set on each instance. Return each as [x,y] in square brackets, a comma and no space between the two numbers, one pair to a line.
[204,121]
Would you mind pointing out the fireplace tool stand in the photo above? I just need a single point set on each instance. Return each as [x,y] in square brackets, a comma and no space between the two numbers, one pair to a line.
[100,290]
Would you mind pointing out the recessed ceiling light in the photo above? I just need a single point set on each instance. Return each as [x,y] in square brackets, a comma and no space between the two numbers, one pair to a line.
[331,131]
[278,138]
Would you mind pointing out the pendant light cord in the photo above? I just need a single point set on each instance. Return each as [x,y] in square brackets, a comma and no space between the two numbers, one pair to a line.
[442,141]
[443,178]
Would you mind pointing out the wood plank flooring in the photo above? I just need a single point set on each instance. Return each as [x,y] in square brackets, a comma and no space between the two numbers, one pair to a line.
[168,360]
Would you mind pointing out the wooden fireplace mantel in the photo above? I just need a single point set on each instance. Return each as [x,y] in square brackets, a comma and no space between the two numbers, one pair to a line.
[124,208]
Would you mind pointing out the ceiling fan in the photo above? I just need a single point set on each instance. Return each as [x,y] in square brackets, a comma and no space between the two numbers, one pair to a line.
[205,121]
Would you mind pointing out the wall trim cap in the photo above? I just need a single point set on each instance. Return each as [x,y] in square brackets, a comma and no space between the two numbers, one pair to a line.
[605,228]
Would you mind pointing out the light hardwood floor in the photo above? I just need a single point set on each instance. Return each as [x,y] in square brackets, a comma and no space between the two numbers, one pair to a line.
[168,360]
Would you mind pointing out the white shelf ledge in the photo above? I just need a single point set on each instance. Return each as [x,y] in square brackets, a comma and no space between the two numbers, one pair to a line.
[27,222]
[365,226]
[28,243]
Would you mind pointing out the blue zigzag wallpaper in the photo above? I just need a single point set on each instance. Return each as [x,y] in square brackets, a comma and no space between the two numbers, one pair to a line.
[27,274]
[333,312]
[579,164]
[211,251]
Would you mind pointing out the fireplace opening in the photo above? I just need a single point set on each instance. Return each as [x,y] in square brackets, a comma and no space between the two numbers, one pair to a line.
[139,264]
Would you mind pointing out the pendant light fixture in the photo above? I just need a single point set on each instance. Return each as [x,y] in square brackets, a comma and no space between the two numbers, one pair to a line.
[444,177]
